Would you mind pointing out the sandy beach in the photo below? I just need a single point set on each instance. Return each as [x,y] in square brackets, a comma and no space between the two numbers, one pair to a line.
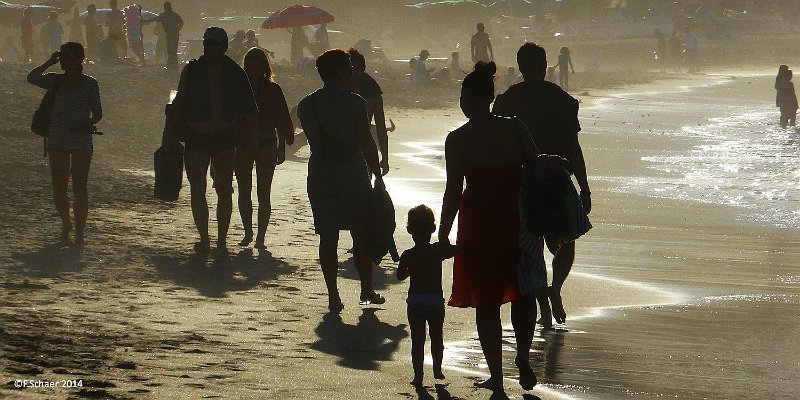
[670,296]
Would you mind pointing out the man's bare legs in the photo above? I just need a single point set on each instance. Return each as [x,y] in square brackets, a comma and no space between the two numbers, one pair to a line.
[197,163]
[562,264]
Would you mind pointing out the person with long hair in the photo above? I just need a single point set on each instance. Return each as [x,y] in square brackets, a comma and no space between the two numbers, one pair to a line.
[76,109]
[489,152]
[564,64]
[343,154]
[275,132]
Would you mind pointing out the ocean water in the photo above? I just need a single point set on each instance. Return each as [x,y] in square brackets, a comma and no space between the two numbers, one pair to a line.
[738,156]
[719,143]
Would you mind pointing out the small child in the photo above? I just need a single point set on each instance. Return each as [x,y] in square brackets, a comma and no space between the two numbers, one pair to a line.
[551,74]
[423,263]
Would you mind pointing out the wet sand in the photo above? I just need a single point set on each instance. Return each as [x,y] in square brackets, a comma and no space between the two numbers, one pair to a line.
[667,297]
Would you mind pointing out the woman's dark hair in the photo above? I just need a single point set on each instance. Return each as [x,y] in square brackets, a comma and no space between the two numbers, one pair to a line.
[256,55]
[782,70]
[479,84]
[331,63]
[421,220]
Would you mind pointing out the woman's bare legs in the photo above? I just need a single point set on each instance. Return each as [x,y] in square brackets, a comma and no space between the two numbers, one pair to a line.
[490,333]
[244,180]
[329,262]
[59,174]
[81,160]
[523,318]
[364,267]
[265,171]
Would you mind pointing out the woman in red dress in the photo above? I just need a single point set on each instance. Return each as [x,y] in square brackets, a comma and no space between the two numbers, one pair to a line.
[489,152]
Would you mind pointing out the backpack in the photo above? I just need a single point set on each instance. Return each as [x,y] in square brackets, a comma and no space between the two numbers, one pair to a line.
[40,123]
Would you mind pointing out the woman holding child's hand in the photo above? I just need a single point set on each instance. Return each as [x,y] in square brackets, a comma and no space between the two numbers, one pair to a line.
[488,152]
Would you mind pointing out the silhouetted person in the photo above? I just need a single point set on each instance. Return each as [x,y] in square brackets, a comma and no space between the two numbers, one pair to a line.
[91,29]
[676,51]
[107,50]
[236,47]
[26,27]
[481,45]
[75,111]
[786,99]
[115,22]
[455,65]
[691,50]
[172,23]
[133,25]
[419,71]
[368,88]
[321,36]
[489,152]
[53,30]
[275,132]
[75,30]
[298,43]
[564,64]
[343,154]
[250,40]
[423,264]
[552,117]
[219,96]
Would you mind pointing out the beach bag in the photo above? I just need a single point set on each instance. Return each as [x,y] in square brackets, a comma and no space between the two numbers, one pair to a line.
[168,168]
[40,123]
[380,226]
[551,205]
[176,123]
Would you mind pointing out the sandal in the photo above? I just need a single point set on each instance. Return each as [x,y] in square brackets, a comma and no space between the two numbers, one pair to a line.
[372,298]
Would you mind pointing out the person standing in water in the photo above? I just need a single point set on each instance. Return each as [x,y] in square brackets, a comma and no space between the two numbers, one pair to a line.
[481,45]
[274,134]
[786,98]
[76,109]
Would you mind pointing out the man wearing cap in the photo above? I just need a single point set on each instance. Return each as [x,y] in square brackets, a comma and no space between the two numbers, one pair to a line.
[481,45]
[215,93]
[172,24]
[419,71]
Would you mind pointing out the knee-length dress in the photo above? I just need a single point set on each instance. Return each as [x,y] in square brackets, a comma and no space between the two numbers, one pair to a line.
[485,273]
[338,178]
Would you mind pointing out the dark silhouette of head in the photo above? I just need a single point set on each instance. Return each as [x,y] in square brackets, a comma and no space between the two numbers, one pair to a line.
[424,54]
[334,67]
[215,42]
[564,51]
[167,6]
[480,27]
[27,12]
[91,8]
[53,16]
[421,223]
[358,61]
[477,90]
[72,56]
[256,63]
[532,61]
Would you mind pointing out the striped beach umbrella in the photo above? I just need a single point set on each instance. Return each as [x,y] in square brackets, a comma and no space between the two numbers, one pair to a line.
[297,15]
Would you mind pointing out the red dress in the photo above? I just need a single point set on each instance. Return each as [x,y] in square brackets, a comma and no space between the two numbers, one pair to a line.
[485,273]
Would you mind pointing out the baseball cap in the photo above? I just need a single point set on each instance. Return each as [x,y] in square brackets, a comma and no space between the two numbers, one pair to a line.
[216,34]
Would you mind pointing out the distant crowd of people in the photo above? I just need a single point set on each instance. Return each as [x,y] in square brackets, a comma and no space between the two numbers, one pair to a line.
[233,118]
[107,34]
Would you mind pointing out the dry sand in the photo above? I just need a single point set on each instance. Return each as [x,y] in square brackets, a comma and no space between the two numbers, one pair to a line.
[136,315]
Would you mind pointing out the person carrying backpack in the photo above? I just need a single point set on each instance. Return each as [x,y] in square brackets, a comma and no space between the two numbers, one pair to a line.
[74,111]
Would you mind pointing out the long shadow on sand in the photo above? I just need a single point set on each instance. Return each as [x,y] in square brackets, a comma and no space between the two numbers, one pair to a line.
[51,260]
[359,346]
[217,277]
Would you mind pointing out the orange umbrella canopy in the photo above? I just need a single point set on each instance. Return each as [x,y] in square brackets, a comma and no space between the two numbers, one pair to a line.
[297,15]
